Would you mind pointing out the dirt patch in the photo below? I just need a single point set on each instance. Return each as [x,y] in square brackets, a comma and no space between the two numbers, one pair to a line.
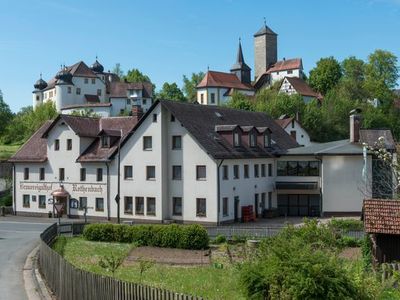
[168,256]
[351,253]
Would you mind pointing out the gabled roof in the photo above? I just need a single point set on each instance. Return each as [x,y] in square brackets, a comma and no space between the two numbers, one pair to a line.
[119,89]
[371,136]
[284,122]
[284,65]
[381,216]
[82,126]
[35,149]
[221,79]
[201,120]
[80,69]
[302,88]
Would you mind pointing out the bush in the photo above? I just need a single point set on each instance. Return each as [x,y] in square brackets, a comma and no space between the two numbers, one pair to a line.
[219,239]
[346,225]
[6,200]
[168,236]
[348,241]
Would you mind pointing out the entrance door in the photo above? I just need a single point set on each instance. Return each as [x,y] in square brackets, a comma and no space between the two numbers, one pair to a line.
[236,211]
[256,205]
[62,200]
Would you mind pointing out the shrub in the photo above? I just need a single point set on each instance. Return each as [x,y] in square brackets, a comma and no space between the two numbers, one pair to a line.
[170,236]
[348,241]
[6,200]
[219,239]
[346,225]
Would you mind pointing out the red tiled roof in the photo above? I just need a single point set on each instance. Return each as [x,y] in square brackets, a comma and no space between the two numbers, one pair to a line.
[35,149]
[119,89]
[302,87]
[284,122]
[80,69]
[92,98]
[382,216]
[287,64]
[221,79]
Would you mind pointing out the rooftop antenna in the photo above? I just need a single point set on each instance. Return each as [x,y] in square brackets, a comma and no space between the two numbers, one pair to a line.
[208,68]
[265,22]
[96,56]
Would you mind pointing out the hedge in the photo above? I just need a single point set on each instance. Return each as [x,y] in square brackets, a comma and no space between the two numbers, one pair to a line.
[169,236]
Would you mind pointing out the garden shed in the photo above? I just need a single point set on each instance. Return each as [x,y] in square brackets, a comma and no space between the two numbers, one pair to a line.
[382,223]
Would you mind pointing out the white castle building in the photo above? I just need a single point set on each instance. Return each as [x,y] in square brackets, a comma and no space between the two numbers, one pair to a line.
[80,88]
[188,163]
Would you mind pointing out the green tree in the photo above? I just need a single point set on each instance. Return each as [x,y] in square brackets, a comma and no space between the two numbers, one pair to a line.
[240,101]
[325,75]
[189,85]
[6,114]
[171,91]
[135,75]
[285,104]
[118,70]
[353,69]
[381,74]
[27,121]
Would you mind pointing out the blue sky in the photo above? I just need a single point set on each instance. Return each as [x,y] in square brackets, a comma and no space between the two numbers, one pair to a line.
[166,39]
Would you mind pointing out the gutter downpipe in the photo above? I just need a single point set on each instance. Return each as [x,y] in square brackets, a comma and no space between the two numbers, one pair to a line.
[14,191]
[219,191]
[108,192]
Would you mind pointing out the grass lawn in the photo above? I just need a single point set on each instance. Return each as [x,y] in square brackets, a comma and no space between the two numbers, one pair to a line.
[6,151]
[205,281]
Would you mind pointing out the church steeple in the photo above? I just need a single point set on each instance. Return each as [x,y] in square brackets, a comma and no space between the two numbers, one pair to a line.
[240,68]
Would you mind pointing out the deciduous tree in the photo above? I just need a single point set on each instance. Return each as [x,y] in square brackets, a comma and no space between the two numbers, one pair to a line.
[325,75]
[171,91]
[189,85]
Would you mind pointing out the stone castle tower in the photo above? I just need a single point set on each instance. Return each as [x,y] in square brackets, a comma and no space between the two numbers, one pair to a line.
[265,49]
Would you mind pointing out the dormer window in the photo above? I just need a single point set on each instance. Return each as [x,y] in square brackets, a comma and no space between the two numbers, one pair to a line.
[267,139]
[252,140]
[105,141]
[236,139]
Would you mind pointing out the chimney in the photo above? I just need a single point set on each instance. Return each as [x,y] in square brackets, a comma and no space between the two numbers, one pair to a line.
[137,112]
[355,125]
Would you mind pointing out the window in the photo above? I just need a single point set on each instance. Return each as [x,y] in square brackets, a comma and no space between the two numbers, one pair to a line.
[201,207]
[290,71]
[51,94]
[78,91]
[225,206]
[37,98]
[128,101]
[201,98]
[98,92]
[293,134]
[82,203]
[41,173]
[42,201]
[263,170]
[128,172]
[26,201]
[201,172]
[105,141]
[252,140]
[176,172]
[61,174]
[144,101]
[246,171]
[99,204]
[150,172]
[151,206]
[298,168]
[172,118]
[86,80]
[139,205]
[128,205]
[69,144]
[236,139]
[154,118]
[99,174]
[177,206]
[56,145]
[176,142]
[147,143]
[269,170]
[93,80]
[26,173]
[269,200]
[69,90]
[267,140]
[212,98]
[256,174]
[225,172]
[236,172]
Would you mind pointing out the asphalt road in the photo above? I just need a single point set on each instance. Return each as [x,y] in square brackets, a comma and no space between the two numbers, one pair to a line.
[18,236]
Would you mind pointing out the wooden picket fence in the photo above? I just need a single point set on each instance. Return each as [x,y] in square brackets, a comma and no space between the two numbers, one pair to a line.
[70,283]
